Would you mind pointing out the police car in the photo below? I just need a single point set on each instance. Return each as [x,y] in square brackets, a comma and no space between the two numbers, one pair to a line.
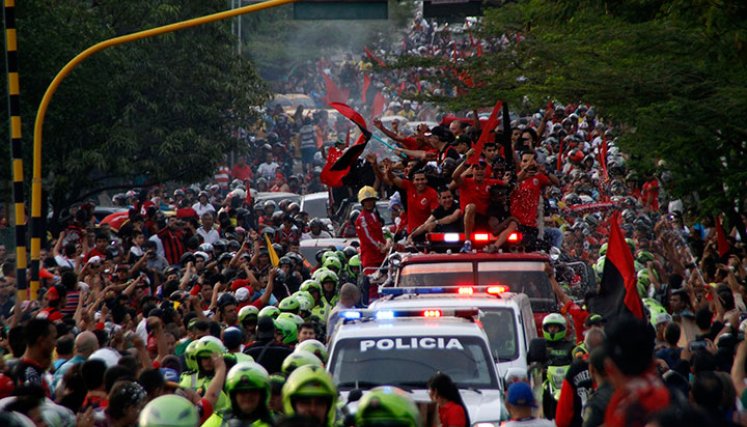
[405,348]
[506,317]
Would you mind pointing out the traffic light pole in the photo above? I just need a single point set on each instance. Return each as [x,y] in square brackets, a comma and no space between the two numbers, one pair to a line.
[36,185]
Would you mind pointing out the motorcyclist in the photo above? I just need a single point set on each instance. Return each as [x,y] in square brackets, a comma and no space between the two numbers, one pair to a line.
[248,387]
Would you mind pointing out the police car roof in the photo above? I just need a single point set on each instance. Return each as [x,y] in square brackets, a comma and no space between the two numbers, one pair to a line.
[508,299]
[408,326]
[460,257]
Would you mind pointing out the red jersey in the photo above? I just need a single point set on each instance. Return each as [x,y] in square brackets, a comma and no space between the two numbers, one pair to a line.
[452,415]
[525,199]
[368,228]
[419,205]
[650,195]
[477,193]
[242,172]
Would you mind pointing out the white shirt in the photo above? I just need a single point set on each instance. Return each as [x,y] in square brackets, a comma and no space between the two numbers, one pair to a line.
[203,209]
[208,236]
[267,170]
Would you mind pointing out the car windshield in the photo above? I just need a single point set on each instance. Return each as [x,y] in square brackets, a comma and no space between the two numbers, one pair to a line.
[521,277]
[500,327]
[384,212]
[316,207]
[410,361]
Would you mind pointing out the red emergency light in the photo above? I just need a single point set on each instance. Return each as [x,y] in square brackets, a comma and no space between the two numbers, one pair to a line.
[497,289]
[514,237]
[432,313]
[480,237]
[466,290]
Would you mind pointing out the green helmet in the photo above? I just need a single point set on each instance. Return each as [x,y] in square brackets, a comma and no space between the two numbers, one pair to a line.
[305,301]
[644,256]
[289,305]
[631,244]
[315,275]
[288,330]
[328,276]
[655,309]
[190,356]
[248,376]
[276,383]
[297,359]
[554,319]
[310,381]
[355,261]
[599,266]
[269,311]
[329,254]
[387,406]
[296,319]
[248,312]
[208,345]
[314,347]
[169,410]
[333,264]
[603,249]
[643,278]
[238,357]
[313,284]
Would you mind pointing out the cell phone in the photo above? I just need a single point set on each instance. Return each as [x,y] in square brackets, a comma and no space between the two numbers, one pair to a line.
[698,345]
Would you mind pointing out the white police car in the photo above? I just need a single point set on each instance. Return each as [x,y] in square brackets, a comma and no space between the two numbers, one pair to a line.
[405,348]
[506,317]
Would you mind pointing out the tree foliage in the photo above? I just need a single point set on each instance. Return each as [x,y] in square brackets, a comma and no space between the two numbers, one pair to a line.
[671,73]
[148,112]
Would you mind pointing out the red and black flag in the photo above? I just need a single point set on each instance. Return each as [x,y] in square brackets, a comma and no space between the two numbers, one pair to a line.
[488,133]
[334,92]
[618,293]
[339,164]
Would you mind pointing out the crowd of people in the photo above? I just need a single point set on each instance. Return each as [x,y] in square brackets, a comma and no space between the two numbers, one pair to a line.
[198,308]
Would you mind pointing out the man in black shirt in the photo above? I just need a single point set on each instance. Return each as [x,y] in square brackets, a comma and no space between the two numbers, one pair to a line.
[41,336]
[266,350]
[446,218]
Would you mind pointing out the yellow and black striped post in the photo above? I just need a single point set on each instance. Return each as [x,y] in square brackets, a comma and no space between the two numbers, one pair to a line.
[14,109]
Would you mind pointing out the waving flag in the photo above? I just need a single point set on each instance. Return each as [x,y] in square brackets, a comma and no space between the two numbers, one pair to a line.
[351,115]
[364,88]
[334,92]
[723,244]
[374,58]
[618,293]
[339,163]
[486,134]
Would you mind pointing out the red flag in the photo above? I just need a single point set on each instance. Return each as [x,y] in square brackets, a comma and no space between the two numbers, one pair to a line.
[618,292]
[338,165]
[351,114]
[377,109]
[486,134]
[723,244]
[328,177]
[366,84]
[374,58]
[334,92]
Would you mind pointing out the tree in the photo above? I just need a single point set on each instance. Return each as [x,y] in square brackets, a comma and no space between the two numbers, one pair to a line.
[671,73]
[149,112]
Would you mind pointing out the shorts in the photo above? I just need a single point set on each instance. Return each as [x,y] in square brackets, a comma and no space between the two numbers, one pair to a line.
[307,155]
[529,237]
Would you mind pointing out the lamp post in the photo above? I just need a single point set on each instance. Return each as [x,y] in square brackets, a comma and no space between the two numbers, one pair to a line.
[36,183]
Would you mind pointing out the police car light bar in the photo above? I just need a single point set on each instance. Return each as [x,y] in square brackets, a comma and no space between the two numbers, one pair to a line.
[350,315]
[496,290]
[480,237]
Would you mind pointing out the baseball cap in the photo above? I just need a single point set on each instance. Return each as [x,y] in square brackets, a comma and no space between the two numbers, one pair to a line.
[520,394]
[242,294]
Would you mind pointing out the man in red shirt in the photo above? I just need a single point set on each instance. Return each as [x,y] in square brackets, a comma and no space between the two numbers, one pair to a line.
[99,248]
[473,193]
[421,199]
[373,245]
[525,199]
[241,170]
[650,194]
